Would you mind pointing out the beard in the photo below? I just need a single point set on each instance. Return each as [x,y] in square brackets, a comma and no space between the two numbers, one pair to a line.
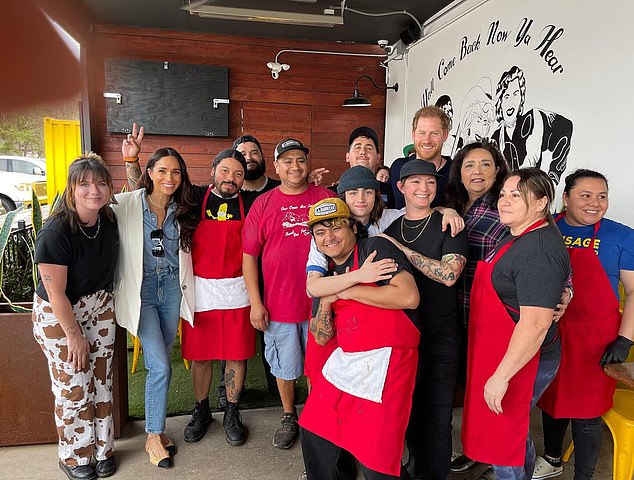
[256,173]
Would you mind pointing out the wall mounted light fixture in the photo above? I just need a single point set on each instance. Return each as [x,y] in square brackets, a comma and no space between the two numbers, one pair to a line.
[357,100]
[276,67]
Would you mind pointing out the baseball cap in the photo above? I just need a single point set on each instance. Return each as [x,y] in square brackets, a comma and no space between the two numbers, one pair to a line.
[245,139]
[419,167]
[357,177]
[327,209]
[289,144]
[366,132]
[408,150]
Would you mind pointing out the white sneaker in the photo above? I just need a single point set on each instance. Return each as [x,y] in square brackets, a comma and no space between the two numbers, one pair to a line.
[543,469]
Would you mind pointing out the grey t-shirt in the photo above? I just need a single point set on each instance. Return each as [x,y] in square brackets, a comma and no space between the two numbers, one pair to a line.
[533,272]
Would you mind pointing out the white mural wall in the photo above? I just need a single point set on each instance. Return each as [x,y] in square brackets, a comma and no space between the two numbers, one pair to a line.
[550,81]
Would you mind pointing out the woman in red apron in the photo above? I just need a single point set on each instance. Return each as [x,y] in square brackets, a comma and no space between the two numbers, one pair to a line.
[593,333]
[513,350]
[360,404]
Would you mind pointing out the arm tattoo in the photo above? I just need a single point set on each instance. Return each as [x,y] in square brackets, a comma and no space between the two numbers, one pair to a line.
[446,269]
[133,172]
[322,326]
[47,278]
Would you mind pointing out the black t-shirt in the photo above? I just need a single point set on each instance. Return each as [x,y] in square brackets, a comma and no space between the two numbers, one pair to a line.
[384,249]
[533,272]
[437,306]
[218,207]
[91,262]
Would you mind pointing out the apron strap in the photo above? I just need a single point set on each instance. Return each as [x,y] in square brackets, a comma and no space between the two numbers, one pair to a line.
[204,205]
[597,225]
[503,250]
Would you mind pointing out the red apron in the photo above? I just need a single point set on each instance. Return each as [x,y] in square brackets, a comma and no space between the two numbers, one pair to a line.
[591,322]
[217,254]
[486,436]
[372,432]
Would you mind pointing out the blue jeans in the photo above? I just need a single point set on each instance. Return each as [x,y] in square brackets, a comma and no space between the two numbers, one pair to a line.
[545,374]
[160,312]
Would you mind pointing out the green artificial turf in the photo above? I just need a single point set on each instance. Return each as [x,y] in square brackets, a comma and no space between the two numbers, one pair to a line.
[181,397]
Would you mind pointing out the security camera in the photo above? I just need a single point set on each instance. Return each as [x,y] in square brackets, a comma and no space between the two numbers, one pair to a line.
[383,43]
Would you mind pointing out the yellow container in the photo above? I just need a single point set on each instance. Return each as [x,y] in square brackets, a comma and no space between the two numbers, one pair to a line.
[62,144]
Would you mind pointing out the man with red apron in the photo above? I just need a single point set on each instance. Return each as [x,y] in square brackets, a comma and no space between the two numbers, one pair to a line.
[360,402]
[580,390]
[500,439]
[222,329]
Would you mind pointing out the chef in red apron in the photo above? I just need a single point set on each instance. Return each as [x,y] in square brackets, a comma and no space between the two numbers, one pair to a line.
[513,349]
[359,406]
[593,333]
[222,329]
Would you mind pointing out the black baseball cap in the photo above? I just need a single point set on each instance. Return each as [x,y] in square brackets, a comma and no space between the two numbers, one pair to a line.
[419,167]
[366,132]
[289,144]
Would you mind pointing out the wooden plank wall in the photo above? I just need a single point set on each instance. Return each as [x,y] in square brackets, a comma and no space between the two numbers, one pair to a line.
[305,102]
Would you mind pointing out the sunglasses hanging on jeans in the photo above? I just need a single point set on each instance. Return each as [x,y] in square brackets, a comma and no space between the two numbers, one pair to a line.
[157,238]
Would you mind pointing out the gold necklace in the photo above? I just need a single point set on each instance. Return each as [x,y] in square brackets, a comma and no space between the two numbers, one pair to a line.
[426,221]
[156,204]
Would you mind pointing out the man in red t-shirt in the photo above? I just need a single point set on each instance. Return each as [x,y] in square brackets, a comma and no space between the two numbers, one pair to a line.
[276,231]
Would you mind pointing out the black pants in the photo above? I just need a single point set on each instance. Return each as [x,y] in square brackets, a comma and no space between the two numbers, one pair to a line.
[586,434]
[429,430]
[326,461]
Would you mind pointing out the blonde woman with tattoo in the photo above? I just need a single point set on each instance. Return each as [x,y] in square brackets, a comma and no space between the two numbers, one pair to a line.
[73,318]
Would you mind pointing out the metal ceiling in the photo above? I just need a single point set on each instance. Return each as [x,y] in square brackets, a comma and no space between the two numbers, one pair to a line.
[357,28]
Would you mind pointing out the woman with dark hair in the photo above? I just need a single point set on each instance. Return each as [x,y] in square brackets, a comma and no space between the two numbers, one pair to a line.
[155,284]
[513,351]
[477,173]
[593,332]
[73,318]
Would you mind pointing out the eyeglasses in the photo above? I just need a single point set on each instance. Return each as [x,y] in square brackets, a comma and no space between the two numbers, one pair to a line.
[157,237]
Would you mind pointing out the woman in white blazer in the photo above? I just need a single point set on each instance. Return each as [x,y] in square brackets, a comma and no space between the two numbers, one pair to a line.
[154,283]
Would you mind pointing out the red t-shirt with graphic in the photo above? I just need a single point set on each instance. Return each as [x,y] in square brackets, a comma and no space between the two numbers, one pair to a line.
[276,230]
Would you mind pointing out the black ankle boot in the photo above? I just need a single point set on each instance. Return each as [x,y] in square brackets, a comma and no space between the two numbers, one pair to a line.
[235,432]
[198,425]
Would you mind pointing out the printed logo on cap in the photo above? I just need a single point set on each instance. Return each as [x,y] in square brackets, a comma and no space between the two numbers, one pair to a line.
[325,209]
[289,142]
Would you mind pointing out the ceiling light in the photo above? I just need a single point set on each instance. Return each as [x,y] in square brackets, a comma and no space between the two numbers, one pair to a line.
[357,100]
[265,16]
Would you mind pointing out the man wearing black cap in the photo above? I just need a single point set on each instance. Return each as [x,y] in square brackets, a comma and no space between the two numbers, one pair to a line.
[254,179]
[363,149]
[275,231]
[438,260]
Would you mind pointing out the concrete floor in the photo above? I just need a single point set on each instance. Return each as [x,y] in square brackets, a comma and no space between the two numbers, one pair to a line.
[213,459]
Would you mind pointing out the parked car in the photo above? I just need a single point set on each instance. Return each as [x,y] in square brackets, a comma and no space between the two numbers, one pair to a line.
[17,175]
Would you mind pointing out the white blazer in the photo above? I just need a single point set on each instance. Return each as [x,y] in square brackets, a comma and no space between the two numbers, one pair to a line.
[129,272]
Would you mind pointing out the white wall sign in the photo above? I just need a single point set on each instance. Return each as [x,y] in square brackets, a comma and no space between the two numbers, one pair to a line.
[549,81]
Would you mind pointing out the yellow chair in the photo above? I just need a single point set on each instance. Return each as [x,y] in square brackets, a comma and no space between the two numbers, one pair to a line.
[620,421]
[136,343]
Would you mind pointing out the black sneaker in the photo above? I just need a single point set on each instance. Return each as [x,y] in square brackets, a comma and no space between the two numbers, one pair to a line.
[461,463]
[287,434]
[198,425]
[235,432]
